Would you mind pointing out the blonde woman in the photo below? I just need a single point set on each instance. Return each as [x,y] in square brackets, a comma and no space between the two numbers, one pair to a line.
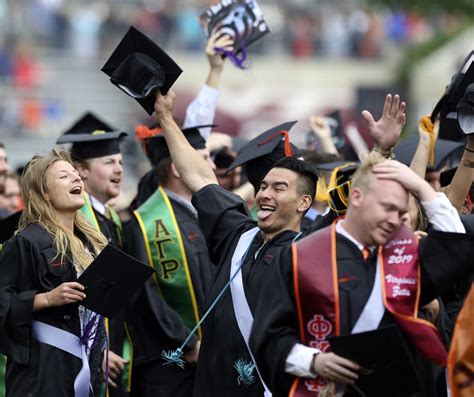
[53,345]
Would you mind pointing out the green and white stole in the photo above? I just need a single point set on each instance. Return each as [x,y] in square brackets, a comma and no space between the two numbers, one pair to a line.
[3,365]
[167,256]
[127,349]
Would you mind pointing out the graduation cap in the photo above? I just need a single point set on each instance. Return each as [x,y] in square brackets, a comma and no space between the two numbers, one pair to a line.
[446,108]
[111,280]
[8,226]
[443,151]
[465,109]
[242,20]
[262,152]
[155,146]
[91,137]
[223,158]
[139,67]
[335,189]
[383,356]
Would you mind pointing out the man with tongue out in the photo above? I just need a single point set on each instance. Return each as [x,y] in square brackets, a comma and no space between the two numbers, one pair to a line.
[284,194]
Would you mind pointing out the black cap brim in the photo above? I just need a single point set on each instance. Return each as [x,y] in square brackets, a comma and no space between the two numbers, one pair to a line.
[383,356]
[262,145]
[136,42]
[111,280]
[405,151]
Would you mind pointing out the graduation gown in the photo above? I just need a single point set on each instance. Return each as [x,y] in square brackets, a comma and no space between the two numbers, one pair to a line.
[224,217]
[153,324]
[29,266]
[444,257]
[116,328]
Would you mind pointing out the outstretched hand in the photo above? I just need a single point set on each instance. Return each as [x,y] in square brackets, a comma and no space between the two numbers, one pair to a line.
[405,176]
[218,41]
[164,104]
[386,131]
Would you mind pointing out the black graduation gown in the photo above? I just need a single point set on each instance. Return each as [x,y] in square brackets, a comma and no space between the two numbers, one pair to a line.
[155,326]
[116,325]
[445,257]
[29,266]
[224,217]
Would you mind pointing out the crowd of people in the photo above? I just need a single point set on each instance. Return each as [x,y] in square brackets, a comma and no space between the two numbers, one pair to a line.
[271,264]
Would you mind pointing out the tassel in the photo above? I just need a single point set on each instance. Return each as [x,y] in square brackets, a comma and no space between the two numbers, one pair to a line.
[286,138]
[245,370]
[173,357]
[143,132]
[322,193]
[234,58]
[427,125]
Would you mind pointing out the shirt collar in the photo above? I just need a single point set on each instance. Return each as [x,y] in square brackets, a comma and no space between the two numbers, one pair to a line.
[97,205]
[340,229]
[187,204]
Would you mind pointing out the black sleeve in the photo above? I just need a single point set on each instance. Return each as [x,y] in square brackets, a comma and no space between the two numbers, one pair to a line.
[17,264]
[274,331]
[167,319]
[445,258]
[221,214]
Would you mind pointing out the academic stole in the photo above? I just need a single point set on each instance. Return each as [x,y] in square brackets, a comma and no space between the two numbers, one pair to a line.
[167,256]
[127,348]
[317,296]
[3,366]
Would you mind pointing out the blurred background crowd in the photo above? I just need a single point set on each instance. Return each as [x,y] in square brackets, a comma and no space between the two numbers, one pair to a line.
[321,55]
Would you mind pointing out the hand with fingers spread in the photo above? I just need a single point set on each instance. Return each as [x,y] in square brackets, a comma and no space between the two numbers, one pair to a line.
[65,294]
[335,368]
[396,171]
[116,366]
[217,40]
[386,131]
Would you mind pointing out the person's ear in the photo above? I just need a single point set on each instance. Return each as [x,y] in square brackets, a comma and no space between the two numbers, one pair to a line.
[304,203]
[356,196]
[174,171]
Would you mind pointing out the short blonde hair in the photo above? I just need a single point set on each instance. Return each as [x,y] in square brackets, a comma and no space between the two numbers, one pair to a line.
[364,177]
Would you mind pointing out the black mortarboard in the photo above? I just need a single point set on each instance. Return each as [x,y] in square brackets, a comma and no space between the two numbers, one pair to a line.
[443,151]
[344,169]
[446,106]
[139,67]
[91,138]
[383,356]
[262,152]
[465,111]
[156,148]
[223,158]
[8,226]
[335,187]
[111,280]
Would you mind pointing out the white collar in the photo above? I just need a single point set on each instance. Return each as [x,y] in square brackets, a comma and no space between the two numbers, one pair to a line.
[98,205]
[340,229]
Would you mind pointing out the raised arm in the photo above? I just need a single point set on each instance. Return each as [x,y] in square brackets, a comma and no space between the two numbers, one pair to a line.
[421,158]
[464,176]
[386,131]
[193,169]
[202,109]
